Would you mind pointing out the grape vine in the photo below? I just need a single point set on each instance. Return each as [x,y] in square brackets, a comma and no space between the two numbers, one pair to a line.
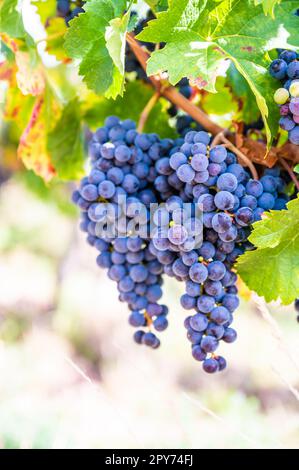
[189,176]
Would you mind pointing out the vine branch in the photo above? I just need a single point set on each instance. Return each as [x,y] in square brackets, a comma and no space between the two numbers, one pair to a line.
[254,151]
[244,159]
[146,111]
[290,172]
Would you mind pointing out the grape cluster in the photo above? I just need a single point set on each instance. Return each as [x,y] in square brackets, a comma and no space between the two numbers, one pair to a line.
[286,69]
[69,9]
[231,201]
[118,188]
[131,172]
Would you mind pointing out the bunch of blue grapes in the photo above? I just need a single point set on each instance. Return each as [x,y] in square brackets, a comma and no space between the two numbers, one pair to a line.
[69,9]
[231,201]
[286,69]
[130,172]
[120,187]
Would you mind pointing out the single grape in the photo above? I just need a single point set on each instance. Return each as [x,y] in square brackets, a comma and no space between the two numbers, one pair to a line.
[227,182]
[293,69]
[281,96]
[278,69]
[199,322]
[294,135]
[210,365]
[198,273]
[230,335]
[288,56]
[224,200]
[294,107]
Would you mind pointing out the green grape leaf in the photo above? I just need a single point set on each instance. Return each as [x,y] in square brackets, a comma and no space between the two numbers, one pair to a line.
[268,6]
[11,21]
[272,270]
[221,102]
[249,111]
[65,143]
[201,35]
[296,168]
[97,39]
[46,9]
[130,106]
[115,36]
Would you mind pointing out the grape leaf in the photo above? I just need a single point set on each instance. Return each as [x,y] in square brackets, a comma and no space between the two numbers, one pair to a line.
[221,102]
[11,21]
[272,270]
[296,168]
[46,9]
[17,107]
[249,111]
[32,149]
[268,6]
[115,37]
[200,35]
[65,143]
[97,39]
[129,106]
[30,75]
[56,29]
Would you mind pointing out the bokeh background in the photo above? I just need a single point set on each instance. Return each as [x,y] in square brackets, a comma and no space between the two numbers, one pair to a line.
[71,376]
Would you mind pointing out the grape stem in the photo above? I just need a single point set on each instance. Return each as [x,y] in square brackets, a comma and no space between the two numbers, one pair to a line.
[146,111]
[255,151]
[245,160]
[290,172]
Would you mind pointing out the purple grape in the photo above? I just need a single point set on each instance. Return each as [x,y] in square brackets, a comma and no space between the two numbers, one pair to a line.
[288,56]
[224,200]
[294,135]
[198,273]
[266,201]
[198,353]
[186,173]
[199,162]
[210,365]
[199,322]
[218,154]
[286,123]
[205,303]
[244,216]
[230,335]
[209,344]
[293,70]
[221,222]
[219,315]
[294,107]
[278,69]
[254,188]
[227,182]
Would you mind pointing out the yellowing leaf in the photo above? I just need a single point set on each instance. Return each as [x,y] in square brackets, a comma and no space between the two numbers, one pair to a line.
[30,79]
[32,148]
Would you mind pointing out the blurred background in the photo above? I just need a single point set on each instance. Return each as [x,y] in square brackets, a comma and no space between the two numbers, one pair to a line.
[71,376]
